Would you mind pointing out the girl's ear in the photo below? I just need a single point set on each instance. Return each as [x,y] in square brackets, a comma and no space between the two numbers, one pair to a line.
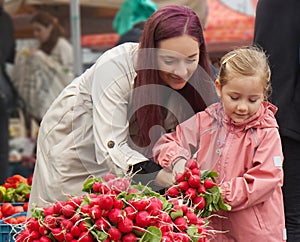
[218,87]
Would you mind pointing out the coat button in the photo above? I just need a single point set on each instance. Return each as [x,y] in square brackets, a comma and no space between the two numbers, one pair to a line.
[110,144]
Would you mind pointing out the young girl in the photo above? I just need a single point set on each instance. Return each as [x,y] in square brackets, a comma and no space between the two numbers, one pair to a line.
[239,139]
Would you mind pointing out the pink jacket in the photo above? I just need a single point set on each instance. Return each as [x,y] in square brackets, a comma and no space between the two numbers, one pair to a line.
[248,157]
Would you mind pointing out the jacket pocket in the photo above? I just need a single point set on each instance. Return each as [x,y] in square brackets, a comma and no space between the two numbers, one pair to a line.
[259,218]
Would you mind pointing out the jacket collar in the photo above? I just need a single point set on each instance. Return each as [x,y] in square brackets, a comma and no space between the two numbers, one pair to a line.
[263,118]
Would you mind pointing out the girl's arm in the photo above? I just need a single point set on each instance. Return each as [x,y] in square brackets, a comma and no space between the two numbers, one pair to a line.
[180,144]
[258,183]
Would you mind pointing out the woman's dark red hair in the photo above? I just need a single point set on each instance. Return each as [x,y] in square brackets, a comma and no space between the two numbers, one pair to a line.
[165,23]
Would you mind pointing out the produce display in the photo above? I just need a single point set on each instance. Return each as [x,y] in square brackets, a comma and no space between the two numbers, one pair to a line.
[15,189]
[114,209]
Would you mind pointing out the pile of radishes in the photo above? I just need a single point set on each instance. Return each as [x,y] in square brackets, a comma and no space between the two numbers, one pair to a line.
[199,189]
[115,210]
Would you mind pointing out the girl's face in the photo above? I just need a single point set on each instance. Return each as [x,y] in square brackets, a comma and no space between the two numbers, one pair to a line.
[178,59]
[41,32]
[241,97]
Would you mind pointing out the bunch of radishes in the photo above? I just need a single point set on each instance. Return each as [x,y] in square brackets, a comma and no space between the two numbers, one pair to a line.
[199,189]
[114,210]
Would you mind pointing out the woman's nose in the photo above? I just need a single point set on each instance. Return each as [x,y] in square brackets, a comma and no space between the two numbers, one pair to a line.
[181,70]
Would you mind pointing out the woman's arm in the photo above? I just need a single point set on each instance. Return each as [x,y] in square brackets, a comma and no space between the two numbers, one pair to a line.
[112,84]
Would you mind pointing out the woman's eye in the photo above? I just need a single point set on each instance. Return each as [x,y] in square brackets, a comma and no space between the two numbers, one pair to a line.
[169,62]
[190,61]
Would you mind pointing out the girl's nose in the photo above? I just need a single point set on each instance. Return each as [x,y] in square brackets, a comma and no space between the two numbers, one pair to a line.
[242,107]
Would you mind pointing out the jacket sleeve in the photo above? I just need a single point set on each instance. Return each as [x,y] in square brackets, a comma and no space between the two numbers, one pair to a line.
[112,82]
[181,143]
[260,181]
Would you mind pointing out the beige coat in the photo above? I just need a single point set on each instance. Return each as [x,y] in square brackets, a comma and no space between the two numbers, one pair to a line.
[85,130]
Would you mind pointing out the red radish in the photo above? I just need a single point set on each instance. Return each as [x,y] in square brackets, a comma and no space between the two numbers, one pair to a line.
[190,193]
[106,202]
[83,227]
[86,237]
[183,186]
[35,235]
[33,224]
[166,239]
[49,211]
[199,202]
[192,218]
[101,224]
[126,225]
[181,223]
[109,176]
[76,217]
[130,212]
[140,204]
[68,237]
[208,183]
[57,207]
[114,234]
[179,177]
[95,212]
[75,231]
[143,219]
[194,181]
[50,221]
[115,215]
[155,206]
[97,186]
[117,203]
[44,239]
[68,210]
[66,224]
[191,164]
[196,171]
[172,192]
[201,189]
[130,237]
[85,209]
[43,230]
[58,234]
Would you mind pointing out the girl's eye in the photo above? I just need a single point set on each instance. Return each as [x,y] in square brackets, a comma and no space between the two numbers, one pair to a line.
[253,100]
[234,98]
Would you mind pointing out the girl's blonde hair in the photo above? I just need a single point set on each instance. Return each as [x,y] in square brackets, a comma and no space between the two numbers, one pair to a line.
[247,61]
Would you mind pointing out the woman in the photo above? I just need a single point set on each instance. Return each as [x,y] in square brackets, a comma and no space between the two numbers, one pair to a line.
[41,74]
[101,122]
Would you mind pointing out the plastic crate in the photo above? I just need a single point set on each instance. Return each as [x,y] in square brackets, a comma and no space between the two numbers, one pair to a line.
[8,232]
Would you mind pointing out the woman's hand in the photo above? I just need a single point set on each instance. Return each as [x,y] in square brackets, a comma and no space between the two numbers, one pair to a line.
[166,178]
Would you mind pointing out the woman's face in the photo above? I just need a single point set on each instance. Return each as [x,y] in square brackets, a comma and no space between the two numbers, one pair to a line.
[41,32]
[178,59]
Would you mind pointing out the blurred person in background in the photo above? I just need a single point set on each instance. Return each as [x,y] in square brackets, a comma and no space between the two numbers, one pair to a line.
[277,31]
[40,74]
[7,94]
